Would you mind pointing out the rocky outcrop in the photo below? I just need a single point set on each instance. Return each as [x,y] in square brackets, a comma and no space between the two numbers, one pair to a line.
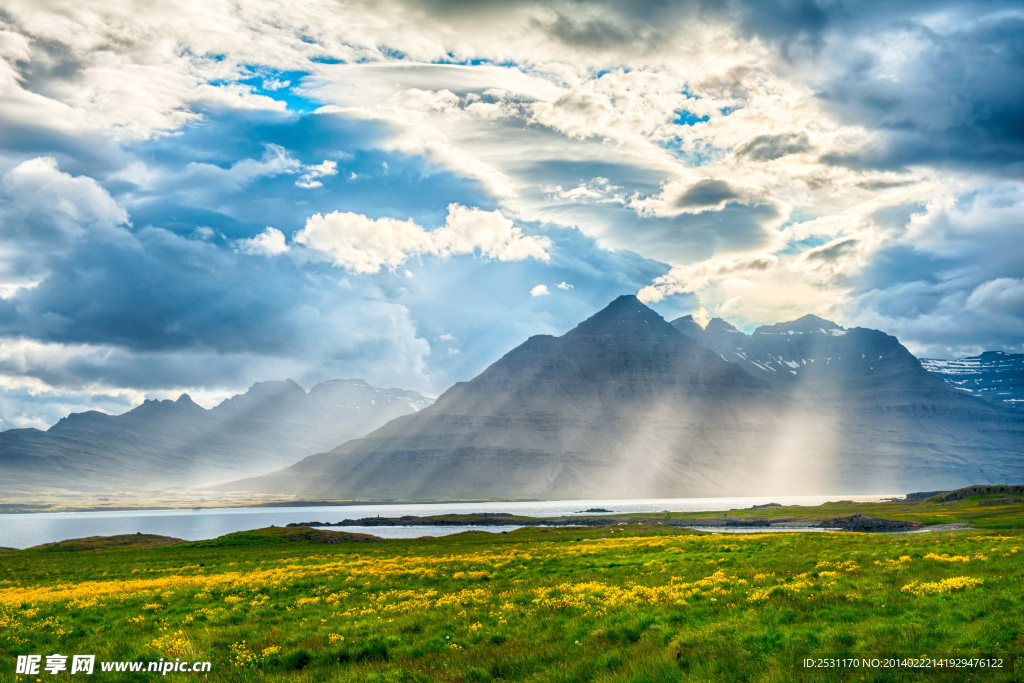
[859,522]
[969,491]
[920,495]
[752,522]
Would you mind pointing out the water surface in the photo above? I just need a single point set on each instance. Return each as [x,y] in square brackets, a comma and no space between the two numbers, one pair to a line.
[29,529]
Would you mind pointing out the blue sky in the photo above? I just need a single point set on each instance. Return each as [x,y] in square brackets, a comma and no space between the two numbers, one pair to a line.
[200,196]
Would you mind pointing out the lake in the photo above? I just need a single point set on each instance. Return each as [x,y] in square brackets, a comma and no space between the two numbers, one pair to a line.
[29,529]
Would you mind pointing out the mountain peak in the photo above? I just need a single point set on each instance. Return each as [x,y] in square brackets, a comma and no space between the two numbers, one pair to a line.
[720,325]
[808,324]
[624,316]
[275,387]
[810,319]
[688,326]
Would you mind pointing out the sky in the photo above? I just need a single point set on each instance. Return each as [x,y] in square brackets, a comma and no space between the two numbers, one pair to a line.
[196,195]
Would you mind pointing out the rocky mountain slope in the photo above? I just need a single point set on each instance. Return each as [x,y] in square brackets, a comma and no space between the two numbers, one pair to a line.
[625,405]
[814,357]
[995,376]
[175,443]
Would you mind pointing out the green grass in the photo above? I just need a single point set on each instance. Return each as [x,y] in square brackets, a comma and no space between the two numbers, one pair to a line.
[641,602]
[972,509]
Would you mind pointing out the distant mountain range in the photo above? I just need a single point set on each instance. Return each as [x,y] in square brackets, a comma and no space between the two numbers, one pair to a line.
[994,376]
[628,405]
[813,358]
[176,443]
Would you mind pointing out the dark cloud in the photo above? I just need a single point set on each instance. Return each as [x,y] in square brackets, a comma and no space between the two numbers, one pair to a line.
[959,289]
[600,34]
[706,193]
[161,292]
[832,252]
[52,64]
[689,237]
[768,147]
[940,81]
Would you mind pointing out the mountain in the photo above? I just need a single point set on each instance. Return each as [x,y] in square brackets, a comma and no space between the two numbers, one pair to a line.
[625,405]
[994,376]
[815,359]
[177,443]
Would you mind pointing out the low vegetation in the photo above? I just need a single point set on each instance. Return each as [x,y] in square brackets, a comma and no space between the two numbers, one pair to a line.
[639,601]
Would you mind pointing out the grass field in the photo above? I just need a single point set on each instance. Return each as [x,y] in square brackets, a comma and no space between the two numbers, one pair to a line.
[635,602]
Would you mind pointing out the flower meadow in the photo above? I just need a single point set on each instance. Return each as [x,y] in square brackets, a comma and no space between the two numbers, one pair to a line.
[633,602]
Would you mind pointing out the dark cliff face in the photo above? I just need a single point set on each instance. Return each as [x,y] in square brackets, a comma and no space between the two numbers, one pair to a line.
[625,405]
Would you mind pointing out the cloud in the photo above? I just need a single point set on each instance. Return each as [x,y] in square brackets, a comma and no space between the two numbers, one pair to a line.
[564,285]
[57,208]
[771,147]
[309,178]
[494,235]
[599,191]
[929,79]
[203,178]
[762,160]
[45,213]
[270,242]
[688,196]
[539,290]
[364,245]
[1003,297]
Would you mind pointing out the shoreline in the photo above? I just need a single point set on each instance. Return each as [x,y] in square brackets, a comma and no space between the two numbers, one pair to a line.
[162,501]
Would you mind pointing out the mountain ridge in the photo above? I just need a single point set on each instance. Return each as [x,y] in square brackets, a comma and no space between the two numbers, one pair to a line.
[177,442]
[626,405]
[994,376]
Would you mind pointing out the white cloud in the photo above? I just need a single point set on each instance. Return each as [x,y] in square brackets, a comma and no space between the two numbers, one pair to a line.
[44,213]
[361,244]
[752,289]
[270,242]
[1002,296]
[564,285]
[73,206]
[539,290]
[599,191]
[520,129]
[309,178]
[469,229]
[202,182]
[365,245]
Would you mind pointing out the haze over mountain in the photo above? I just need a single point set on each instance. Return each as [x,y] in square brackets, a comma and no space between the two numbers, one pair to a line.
[995,376]
[626,405]
[178,443]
